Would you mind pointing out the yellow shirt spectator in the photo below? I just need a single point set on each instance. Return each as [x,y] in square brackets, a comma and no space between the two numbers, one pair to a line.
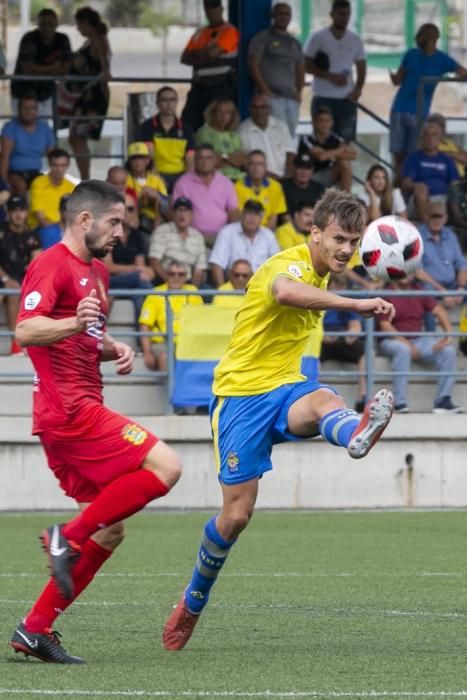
[153,312]
[231,302]
[270,194]
[149,180]
[45,197]
[288,236]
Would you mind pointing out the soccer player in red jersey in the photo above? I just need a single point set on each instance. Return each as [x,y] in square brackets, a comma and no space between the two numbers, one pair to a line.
[108,463]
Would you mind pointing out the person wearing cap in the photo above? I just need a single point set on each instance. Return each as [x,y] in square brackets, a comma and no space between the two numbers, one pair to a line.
[298,230]
[179,240]
[443,264]
[149,187]
[260,188]
[170,139]
[263,132]
[448,145]
[18,246]
[212,194]
[239,275]
[245,239]
[212,52]
[301,187]
[277,66]
[153,316]
[48,189]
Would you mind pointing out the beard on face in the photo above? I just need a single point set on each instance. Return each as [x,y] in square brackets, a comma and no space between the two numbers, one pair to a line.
[90,240]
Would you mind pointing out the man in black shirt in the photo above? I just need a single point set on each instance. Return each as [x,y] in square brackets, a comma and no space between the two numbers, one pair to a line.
[301,187]
[18,246]
[42,52]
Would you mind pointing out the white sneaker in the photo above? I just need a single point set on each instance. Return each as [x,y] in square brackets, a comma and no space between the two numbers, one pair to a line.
[374,421]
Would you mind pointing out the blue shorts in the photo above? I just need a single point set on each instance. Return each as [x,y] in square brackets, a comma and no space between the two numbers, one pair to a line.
[402,132]
[245,428]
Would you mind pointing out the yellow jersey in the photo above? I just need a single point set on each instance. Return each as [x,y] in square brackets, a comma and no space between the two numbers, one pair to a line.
[450,147]
[231,302]
[45,196]
[269,339]
[270,194]
[287,236]
[153,312]
[150,180]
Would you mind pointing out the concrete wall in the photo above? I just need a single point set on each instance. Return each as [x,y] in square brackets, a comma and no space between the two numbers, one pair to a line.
[306,475]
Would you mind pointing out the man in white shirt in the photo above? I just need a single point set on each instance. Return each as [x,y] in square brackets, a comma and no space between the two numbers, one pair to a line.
[243,240]
[268,134]
[330,55]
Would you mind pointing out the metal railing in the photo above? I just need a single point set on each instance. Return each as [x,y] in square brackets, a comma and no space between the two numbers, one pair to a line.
[369,335]
[420,117]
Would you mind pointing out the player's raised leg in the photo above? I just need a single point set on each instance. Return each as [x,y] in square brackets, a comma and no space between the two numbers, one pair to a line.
[219,534]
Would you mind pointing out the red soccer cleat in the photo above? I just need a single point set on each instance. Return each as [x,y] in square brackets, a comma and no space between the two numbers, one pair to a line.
[374,421]
[179,627]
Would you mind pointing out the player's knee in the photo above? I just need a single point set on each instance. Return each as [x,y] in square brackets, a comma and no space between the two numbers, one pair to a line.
[165,463]
[329,401]
[110,537]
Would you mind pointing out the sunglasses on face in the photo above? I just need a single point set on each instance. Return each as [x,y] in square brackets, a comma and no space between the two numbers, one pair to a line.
[244,275]
[436,216]
[177,274]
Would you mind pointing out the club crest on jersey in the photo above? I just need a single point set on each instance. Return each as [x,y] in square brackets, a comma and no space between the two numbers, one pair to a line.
[32,300]
[295,270]
[134,434]
[232,462]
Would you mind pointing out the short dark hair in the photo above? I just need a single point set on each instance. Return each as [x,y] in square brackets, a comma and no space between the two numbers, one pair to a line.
[94,196]
[26,97]
[323,109]
[204,147]
[340,4]
[164,88]
[341,207]
[256,152]
[57,153]
[303,204]
[47,12]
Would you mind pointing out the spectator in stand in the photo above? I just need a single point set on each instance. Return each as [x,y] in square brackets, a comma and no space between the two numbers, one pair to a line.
[42,52]
[260,188]
[448,145]
[345,348]
[457,204]
[47,191]
[170,139]
[239,275]
[417,63]
[127,263]
[153,317]
[297,231]
[117,176]
[427,173]
[262,132]
[221,119]
[150,188]
[379,197]
[178,240]
[18,246]
[53,233]
[212,194]
[401,349]
[277,66]
[443,264]
[333,158]
[25,139]
[301,187]
[330,55]
[92,59]
[212,51]
[246,240]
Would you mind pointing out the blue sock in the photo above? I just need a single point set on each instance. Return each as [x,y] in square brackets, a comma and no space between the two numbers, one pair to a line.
[338,426]
[211,557]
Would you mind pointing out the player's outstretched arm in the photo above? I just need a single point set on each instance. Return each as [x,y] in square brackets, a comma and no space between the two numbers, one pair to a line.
[122,353]
[42,330]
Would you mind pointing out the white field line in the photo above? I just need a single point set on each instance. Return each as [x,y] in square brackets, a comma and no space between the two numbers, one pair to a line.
[284,607]
[261,574]
[233,694]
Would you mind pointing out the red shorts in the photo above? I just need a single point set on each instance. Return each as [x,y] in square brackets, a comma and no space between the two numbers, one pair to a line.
[86,455]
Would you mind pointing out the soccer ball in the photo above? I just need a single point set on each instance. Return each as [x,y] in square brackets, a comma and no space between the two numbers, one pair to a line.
[391,248]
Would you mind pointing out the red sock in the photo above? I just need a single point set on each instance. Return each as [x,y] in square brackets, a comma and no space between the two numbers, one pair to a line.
[50,603]
[121,498]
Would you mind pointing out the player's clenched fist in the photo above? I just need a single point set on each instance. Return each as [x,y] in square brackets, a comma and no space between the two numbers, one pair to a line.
[88,310]
[375,307]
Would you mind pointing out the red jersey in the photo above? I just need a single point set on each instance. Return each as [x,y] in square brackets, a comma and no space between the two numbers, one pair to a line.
[68,377]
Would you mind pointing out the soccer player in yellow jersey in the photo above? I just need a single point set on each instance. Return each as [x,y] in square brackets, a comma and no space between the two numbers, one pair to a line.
[260,396]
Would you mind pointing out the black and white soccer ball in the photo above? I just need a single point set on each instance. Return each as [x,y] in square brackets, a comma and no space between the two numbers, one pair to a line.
[391,248]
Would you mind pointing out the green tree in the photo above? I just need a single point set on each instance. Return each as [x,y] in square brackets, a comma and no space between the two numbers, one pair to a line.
[159,23]
[125,13]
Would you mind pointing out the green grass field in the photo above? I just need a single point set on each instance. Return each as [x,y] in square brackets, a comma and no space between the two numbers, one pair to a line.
[309,605]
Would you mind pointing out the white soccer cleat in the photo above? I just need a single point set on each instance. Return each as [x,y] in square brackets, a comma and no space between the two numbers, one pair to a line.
[374,421]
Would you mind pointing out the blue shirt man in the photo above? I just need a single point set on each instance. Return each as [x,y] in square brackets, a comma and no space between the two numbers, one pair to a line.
[442,260]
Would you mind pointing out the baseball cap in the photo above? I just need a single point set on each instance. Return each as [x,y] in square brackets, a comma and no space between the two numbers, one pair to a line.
[253,206]
[303,161]
[182,202]
[17,202]
[138,148]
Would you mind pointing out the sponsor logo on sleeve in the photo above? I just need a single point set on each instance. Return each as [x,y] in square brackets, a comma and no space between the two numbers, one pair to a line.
[32,300]
[295,271]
